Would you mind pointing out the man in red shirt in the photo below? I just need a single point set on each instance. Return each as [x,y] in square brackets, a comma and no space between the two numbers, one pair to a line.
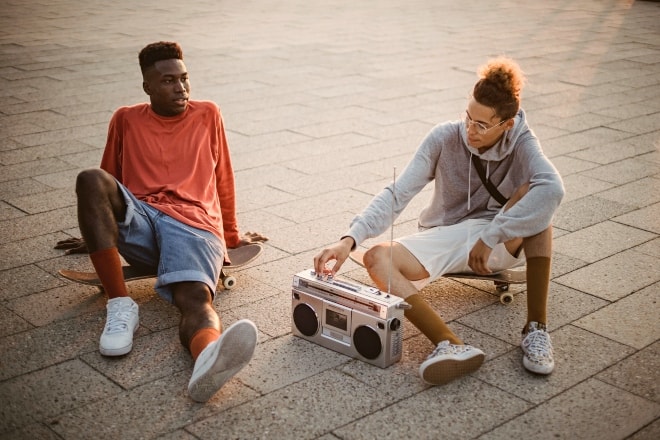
[164,199]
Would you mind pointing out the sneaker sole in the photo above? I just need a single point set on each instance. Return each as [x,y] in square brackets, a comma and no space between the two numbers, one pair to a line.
[537,369]
[121,350]
[234,352]
[445,371]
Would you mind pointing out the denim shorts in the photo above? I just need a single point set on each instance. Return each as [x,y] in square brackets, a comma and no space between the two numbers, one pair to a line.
[446,249]
[150,239]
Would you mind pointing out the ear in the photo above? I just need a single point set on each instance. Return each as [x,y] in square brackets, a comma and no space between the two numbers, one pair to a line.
[508,125]
[145,87]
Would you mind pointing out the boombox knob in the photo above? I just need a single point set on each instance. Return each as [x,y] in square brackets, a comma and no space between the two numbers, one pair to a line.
[404,305]
[395,324]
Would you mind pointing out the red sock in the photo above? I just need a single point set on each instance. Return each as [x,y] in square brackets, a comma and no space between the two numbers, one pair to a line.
[108,267]
[202,338]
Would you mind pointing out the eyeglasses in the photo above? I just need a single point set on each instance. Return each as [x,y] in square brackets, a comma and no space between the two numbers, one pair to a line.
[481,128]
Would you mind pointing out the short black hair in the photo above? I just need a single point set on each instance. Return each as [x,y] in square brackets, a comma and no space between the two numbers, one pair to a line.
[161,50]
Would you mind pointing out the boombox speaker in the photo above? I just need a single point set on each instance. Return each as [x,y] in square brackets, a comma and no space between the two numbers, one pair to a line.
[347,317]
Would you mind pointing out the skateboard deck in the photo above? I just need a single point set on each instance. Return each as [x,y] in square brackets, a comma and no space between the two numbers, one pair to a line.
[502,280]
[239,257]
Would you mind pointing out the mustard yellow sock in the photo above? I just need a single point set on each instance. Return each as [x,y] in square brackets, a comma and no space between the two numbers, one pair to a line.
[428,321]
[108,267]
[538,284]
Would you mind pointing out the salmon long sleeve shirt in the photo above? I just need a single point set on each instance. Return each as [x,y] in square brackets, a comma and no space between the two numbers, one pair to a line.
[180,165]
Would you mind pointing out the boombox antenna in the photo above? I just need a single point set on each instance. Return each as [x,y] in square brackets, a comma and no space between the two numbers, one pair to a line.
[389,275]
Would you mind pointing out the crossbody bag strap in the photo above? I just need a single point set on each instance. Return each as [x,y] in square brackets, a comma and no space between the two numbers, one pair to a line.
[487,183]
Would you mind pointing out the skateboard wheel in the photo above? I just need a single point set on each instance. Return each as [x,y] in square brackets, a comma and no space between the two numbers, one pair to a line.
[506,298]
[228,282]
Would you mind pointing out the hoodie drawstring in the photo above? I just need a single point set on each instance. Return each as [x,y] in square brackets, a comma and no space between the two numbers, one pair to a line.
[469,180]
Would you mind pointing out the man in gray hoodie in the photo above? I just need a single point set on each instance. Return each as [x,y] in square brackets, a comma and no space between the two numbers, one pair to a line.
[465,227]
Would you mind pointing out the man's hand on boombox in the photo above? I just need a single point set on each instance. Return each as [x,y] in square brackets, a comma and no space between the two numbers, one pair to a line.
[338,252]
[72,245]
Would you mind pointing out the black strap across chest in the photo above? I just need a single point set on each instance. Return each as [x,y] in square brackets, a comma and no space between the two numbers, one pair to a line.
[487,183]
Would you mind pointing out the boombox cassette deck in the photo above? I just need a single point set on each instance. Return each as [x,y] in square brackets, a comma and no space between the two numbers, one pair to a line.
[348,317]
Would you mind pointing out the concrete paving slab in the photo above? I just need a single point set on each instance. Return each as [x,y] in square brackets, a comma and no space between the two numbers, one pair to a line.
[640,193]
[587,211]
[651,248]
[649,432]
[637,373]
[632,320]
[505,322]
[647,218]
[614,277]
[40,309]
[596,242]
[12,323]
[578,355]
[167,411]
[611,152]
[590,410]
[452,411]
[322,398]
[13,282]
[59,388]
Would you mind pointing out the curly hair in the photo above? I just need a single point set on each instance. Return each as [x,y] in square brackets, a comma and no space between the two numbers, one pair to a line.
[500,82]
[162,50]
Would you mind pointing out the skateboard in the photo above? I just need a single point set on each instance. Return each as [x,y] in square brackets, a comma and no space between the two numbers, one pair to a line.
[239,257]
[502,280]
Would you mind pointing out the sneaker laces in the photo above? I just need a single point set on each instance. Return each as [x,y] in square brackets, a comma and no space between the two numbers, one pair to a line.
[118,317]
[538,345]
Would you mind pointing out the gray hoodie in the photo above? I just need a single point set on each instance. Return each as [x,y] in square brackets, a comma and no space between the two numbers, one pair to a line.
[444,157]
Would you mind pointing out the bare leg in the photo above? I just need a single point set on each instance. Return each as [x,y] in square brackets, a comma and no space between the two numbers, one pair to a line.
[195,303]
[217,357]
[538,252]
[100,207]
[405,267]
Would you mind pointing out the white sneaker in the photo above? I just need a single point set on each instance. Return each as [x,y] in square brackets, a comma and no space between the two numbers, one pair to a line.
[120,324]
[222,359]
[449,361]
[537,349]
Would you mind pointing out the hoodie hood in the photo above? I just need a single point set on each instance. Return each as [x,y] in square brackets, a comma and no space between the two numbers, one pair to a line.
[497,152]
[505,145]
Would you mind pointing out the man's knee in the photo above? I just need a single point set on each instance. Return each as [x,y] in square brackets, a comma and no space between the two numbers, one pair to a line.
[94,181]
[539,245]
[376,255]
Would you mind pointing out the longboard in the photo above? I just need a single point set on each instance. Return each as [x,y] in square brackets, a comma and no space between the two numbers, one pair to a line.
[502,280]
[239,257]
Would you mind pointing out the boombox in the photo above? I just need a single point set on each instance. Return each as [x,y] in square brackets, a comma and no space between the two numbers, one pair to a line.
[347,317]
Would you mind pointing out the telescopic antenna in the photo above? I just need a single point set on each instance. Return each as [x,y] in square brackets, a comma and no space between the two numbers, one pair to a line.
[389,275]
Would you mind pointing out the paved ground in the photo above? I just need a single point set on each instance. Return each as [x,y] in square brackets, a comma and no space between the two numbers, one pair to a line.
[321,100]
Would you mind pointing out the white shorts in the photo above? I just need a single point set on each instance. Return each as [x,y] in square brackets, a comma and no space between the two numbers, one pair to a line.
[446,249]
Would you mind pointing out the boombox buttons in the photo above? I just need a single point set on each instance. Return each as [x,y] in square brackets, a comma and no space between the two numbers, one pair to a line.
[347,317]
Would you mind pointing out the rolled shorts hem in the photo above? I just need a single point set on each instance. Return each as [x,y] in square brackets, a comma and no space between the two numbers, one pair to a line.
[179,277]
